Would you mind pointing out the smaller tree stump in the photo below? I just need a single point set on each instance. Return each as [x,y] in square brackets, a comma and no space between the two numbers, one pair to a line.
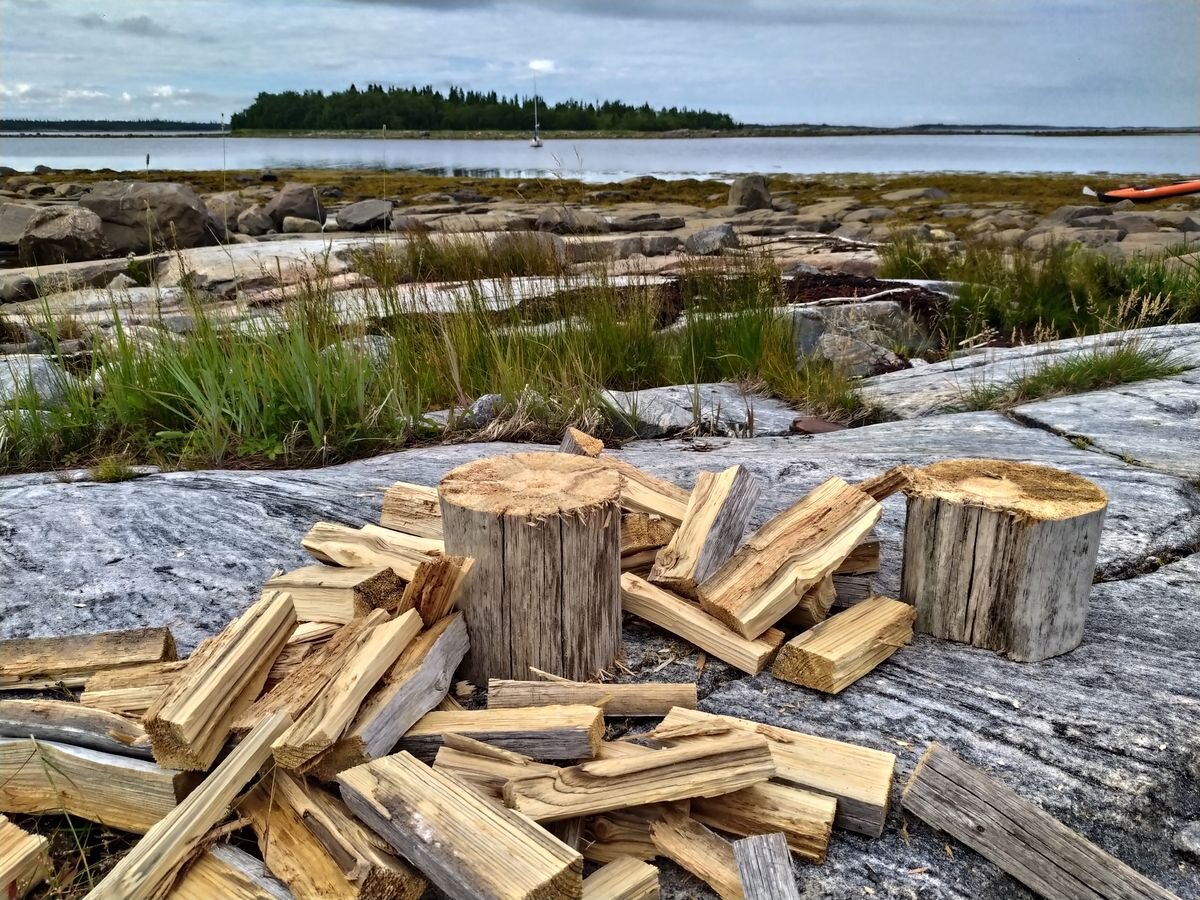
[544,530]
[1001,554]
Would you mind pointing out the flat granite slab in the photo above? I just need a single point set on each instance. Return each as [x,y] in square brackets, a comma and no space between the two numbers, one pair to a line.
[1105,737]
[941,387]
[1155,424]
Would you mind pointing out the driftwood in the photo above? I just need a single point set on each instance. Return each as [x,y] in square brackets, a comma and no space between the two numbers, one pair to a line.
[190,721]
[765,867]
[407,691]
[717,513]
[467,845]
[792,552]
[1001,555]
[1026,842]
[837,652]
[147,871]
[37,663]
[544,531]
[544,732]
[119,791]
[71,723]
[686,619]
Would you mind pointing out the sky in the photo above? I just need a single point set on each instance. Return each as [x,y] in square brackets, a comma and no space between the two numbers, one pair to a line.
[849,62]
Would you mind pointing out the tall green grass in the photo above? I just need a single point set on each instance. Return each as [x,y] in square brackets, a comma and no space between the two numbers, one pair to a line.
[300,390]
[1061,291]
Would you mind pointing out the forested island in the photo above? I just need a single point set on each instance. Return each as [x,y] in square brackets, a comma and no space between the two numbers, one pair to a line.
[428,109]
[105,126]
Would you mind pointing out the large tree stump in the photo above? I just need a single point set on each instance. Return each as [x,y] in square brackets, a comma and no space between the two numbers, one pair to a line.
[1001,555]
[544,530]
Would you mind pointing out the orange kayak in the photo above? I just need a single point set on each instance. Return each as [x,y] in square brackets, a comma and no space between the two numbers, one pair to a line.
[1144,193]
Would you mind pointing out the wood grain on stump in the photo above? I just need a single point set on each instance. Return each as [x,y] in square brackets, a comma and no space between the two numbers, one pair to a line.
[544,530]
[1001,554]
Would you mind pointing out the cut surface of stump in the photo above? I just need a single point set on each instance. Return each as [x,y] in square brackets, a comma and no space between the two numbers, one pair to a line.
[544,530]
[1001,554]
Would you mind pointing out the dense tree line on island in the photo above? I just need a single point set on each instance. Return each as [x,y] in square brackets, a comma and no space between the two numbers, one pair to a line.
[103,125]
[427,109]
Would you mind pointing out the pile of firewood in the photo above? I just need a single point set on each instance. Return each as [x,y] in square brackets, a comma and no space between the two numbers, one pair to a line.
[320,728]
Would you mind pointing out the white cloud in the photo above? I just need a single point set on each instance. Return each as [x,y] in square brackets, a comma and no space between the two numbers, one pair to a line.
[126,97]
[16,89]
[163,90]
[543,66]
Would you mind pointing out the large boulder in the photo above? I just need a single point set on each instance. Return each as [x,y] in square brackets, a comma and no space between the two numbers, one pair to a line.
[297,225]
[254,221]
[561,220]
[749,192]
[922,193]
[712,240]
[225,208]
[58,234]
[21,373]
[365,215]
[13,218]
[300,201]
[142,216]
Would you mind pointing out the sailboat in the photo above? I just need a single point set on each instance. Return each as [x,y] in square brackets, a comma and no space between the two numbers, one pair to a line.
[536,141]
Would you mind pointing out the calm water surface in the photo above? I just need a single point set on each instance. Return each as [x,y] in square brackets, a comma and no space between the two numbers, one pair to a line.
[612,160]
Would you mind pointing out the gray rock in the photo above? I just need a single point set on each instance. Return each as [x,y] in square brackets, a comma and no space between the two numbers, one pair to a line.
[1102,737]
[854,231]
[856,357]
[564,220]
[906,194]
[1158,243]
[58,234]
[1155,424]
[719,408]
[365,215]
[1066,234]
[226,207]
[121,282]
[659,244]
[749,192]
[69,190]
[20,373]
[13,218]
[140,216]
[300,201]
[482,412]
[869,214]
[297,225]
[943,386]
[880,321]
[1187,840]
[1130,224]
[1068,214]
[15,288]
[524,241]
[712,240]
[646,222]
[254,221]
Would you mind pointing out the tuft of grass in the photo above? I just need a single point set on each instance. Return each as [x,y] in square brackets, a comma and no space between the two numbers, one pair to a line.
[1106,367]
[464,257]
[112,469]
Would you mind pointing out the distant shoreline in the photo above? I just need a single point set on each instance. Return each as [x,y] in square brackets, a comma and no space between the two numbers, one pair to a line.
[749,132]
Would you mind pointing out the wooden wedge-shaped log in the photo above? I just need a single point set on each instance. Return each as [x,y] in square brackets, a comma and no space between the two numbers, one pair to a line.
[696,849]
[702,768]
[148,870]
[834,654]
[543,732]
[625,832]
[765,867]
[71,723]
[813,607]
[467,845]
[132,690]
[715,520]
[411,688]
[1028,843]
[885,484]
[28,664]
[625,878]
[229,873]
[644,493]
[485,767]
[805,818]
[24,860]
[371,545]
[297,691]
[643,531]
[859,778]
[306,639]
[337,595]
[792,552]
[641,699]
[580,443]
[412,509]
[119,791]
[863,559]
[371,654]
[687,620]
[436,587]
[190,722]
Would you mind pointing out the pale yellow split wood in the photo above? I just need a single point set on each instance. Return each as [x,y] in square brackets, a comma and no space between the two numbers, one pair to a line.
[24,860]
[625,878]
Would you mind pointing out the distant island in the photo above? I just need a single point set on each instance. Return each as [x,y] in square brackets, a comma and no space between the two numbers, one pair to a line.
[105,126]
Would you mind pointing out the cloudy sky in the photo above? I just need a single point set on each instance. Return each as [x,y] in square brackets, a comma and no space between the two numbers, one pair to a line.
[886,62]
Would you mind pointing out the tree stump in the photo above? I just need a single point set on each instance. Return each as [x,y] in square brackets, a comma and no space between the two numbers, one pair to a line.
[544,530]
[1001,554]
